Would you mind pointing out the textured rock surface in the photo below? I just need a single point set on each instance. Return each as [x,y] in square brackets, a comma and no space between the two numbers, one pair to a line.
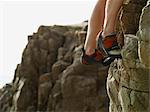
[6,94]
[144,36]
[51,78]
[128,78]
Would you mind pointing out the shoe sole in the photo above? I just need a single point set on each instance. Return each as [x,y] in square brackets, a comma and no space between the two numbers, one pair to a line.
[108,60]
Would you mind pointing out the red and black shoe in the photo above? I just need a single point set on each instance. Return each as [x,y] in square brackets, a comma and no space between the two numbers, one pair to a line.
[95,58]
[109,46]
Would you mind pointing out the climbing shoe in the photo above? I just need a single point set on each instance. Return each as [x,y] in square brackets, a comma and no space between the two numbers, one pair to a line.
[109,46]
[95,58]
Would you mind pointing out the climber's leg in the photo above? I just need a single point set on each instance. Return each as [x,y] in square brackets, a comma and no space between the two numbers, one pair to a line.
[107,40]
[95,25]
[90,54]
[111,11]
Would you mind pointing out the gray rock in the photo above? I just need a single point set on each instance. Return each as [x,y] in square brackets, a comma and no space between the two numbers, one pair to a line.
[144,34]
[128,78]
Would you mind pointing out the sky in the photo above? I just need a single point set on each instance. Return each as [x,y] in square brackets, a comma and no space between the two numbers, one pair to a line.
[21,18]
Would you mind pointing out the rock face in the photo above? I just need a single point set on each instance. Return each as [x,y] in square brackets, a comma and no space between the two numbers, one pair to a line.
[128,78]
[6,95]
[50,77]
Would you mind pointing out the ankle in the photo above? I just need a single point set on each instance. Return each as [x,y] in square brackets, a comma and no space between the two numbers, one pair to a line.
[89,51]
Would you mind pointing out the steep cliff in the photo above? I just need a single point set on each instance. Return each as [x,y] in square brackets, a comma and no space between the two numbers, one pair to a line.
[51,78]
[128,78]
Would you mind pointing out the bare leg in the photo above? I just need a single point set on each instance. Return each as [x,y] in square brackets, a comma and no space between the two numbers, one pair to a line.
[95,26]
[111,11]
[102,18]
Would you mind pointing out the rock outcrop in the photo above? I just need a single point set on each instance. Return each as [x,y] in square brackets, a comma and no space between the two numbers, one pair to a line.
[128,78]
[50,77]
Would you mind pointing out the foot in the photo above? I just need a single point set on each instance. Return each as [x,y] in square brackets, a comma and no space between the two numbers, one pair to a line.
[109,46]
[95,58]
